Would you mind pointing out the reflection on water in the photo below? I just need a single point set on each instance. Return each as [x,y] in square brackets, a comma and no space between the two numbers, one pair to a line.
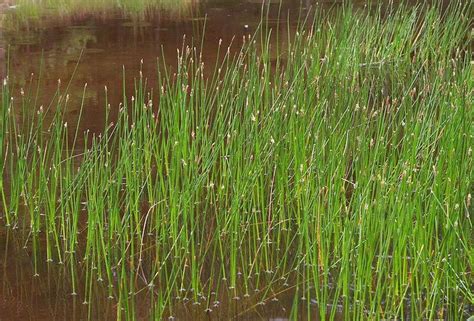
[97,48]
[46,295]
[108,45]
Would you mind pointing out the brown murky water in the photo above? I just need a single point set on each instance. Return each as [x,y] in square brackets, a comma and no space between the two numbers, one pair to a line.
[99,50]
[47,296]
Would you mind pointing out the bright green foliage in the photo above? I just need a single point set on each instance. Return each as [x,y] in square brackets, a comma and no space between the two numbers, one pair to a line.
[343,168]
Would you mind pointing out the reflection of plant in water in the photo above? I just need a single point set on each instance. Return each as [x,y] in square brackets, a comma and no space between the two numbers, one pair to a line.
[75,41]
[68,47]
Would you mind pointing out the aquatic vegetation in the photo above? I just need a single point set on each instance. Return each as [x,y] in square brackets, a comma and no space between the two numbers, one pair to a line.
[340,171]
[37,13]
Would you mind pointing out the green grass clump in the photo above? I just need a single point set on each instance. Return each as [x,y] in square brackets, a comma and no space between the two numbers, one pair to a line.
[341,171]
[32,14]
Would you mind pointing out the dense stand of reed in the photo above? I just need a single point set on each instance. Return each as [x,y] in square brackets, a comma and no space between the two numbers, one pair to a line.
[342,171]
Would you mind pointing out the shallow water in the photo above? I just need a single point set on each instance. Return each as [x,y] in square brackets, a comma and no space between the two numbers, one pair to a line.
[99,50]
[46,295]
[102,47]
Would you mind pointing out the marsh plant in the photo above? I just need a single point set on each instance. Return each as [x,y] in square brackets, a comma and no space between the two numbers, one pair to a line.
[341,172]
[36,14]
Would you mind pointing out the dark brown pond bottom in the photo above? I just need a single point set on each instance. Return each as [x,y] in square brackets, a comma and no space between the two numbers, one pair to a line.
[109,45]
